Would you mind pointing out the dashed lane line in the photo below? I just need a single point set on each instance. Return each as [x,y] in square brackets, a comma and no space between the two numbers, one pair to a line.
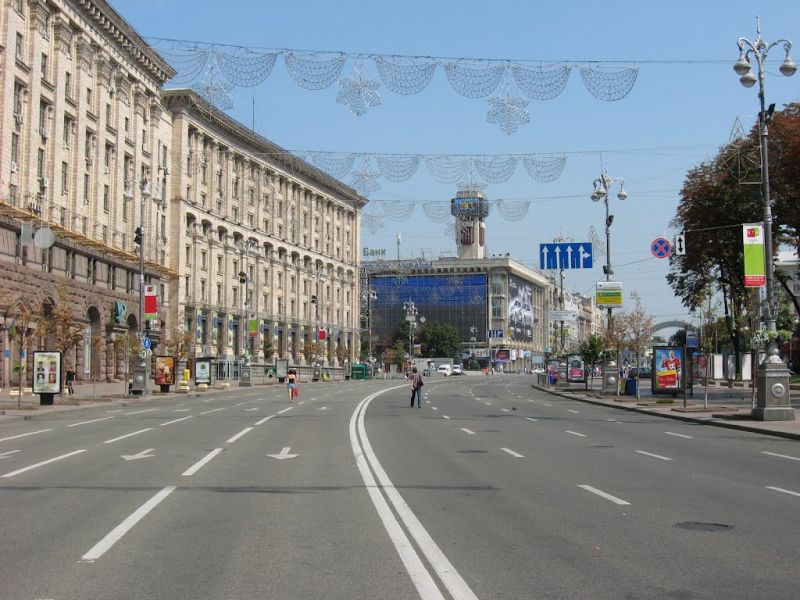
[243,432]
[573,411]
[680,435]
[783,491]
[780,455]
[468,431]
[651,455]
[603,494]
[138,412]
[208,412]
[175,421]
[89,421]
[512,453]
[127,435]
[532,419]
[200,463]
[41,464]
[574,433]
[264,420]
[21,435]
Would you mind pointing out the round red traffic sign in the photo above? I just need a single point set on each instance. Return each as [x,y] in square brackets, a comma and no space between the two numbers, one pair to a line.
[661,248]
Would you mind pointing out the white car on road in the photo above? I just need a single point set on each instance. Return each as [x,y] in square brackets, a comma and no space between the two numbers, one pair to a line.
[445,370]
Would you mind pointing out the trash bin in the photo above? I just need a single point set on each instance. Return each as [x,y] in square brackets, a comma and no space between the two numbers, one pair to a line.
[630,386]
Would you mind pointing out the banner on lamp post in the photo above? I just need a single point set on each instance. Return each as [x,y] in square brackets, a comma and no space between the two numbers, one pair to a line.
[755,274]
[150,303]
[252,327]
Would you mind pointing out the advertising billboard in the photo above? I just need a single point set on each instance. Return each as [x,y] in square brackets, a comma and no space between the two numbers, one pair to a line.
[576,371]
[520,309]
[165,370]
[668,369]
[202,371]
[46,372]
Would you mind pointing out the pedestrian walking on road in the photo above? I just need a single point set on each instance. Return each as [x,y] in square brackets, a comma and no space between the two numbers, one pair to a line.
[291,384]
[416,387]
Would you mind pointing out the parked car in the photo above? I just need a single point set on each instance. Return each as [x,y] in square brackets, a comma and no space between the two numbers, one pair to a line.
[457,370]
[642,372]
[445,370]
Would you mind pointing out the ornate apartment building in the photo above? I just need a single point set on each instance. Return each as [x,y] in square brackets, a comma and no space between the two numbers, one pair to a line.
[265,244]
[82,133]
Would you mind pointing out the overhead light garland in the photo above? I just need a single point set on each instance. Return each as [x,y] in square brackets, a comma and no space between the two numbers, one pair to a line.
[229,66]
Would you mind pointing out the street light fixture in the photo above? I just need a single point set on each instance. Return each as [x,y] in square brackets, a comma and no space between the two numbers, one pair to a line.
[772,401]
[316,300]
[602,191]
[411,317]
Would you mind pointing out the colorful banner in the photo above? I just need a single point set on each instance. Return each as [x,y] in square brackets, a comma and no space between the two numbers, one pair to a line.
[150,303]
[46,372]
[755,274]
[252,327]
[165,370]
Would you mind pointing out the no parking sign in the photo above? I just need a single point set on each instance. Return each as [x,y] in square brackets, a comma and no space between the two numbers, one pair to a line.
[661,248]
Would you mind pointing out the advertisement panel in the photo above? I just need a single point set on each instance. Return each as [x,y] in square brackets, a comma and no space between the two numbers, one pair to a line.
[281,368]
[46,372]
[502,355]
[520,309]
[668,369]
[202,371]
[608,294]
[755,274]
[576,371]
[165,370]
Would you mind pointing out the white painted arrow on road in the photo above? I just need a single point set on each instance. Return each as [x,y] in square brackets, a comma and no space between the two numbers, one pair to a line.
[284,453]
[7,454]
[142,454]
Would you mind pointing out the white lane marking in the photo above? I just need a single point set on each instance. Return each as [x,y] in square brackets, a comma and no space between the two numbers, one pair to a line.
[138,412]
[90,421]
[138,455]
[116,534]
[251,409]
[488,403]
[546,404]
[182,410]
[420,576]
[469,431]
[613,421]
[199,464]
[175,421]
[434,408]
[658,456]
[181,404]
[127,435]
[780,455]
[283,454]
[323,408]
[602,494]
[21,435]
[264,420]
[114,411]
[244,431]
[505,410]
[680,435]
[573,411]
[532,419]
[301,402]
[445,417]
[574,433]
[512,453]
[783,491]
[280,412]
[41,464]
[208,412]
[7,454]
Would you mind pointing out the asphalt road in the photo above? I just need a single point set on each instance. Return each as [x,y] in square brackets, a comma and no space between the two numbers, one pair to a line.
[490,490]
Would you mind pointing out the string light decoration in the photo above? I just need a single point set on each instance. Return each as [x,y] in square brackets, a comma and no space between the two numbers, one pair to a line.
[522,81]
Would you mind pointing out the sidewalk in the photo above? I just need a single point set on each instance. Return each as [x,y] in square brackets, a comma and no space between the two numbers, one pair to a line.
[93,394]
[726,408]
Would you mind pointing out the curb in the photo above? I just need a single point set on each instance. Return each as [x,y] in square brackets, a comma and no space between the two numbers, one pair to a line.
[677,417]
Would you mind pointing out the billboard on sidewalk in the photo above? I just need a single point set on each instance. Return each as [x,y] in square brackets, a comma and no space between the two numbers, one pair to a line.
[47,372]
[668,369]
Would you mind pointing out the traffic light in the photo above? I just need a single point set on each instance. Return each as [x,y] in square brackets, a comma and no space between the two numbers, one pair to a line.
[137,236]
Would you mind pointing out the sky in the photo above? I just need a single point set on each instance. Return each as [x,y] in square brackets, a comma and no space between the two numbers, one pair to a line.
[680,111]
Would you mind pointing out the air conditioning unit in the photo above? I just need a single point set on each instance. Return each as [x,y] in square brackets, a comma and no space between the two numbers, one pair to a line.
[44,134]
[44,183]
[13,166]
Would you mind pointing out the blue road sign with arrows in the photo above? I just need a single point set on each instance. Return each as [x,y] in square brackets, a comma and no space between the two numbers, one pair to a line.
[565,255]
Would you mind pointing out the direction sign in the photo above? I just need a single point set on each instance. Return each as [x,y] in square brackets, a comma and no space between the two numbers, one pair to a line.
[495,333]
[680,244]
[565,255]
[147,342]
[661,248]
[608,294]
[562,315]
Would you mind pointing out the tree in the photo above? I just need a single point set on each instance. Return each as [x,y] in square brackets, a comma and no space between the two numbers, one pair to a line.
[591,351]
[638,332]
[62,326]
[27,323]
[440,339]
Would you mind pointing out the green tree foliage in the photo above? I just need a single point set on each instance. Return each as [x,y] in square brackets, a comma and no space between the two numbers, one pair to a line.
[591,351]
[440,339]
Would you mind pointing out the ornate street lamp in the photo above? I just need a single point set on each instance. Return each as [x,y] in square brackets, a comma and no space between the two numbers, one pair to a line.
[139,238]
[411,317]
[772,400]
[602,191]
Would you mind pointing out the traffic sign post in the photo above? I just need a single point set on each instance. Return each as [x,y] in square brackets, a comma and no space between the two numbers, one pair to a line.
[565,255]
[661,248]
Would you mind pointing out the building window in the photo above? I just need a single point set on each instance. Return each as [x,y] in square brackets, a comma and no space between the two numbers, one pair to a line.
[219,264]
[44,66]
[188,255]
[43,119]
[202,290]
[67,130]
[12,195]
[219,294]
[40,163]
[106,199]
[109,115]
[85,192]
[107,157]
[203,257]
[89,99]
[15,148]
[124,210]
[64,178]
[68,84]
[19,48]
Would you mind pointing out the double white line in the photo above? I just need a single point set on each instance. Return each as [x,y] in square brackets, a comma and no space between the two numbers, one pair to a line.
[382,494]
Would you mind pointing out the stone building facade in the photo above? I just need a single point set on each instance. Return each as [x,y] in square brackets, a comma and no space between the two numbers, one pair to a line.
[264,243]
[82,132]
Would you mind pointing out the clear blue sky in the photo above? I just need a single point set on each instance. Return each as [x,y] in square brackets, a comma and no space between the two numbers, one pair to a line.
[680,111]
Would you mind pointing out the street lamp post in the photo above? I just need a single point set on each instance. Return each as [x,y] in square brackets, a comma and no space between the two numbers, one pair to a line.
[772,401]
[411,317]
[139,238]
[316,300]
[244,279]
[602,191]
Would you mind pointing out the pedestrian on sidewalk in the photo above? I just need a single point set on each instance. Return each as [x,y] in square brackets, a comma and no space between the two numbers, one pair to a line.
[291,384]
[416,387]
[70,380]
